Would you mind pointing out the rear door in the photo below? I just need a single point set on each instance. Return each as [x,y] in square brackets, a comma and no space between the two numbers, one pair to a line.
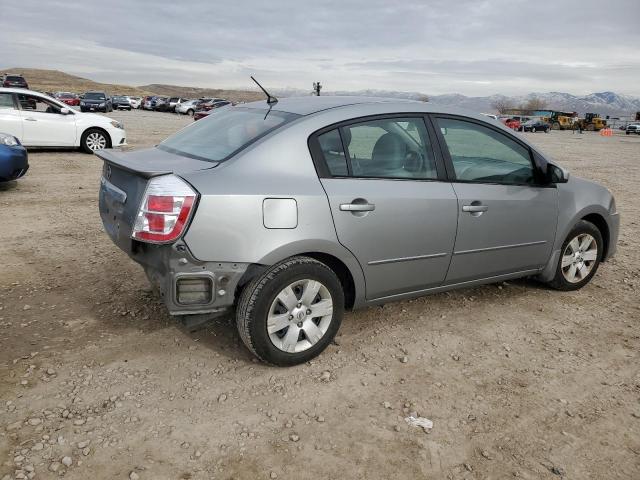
[10,118]
[44,125]
[390,203]
[507,218]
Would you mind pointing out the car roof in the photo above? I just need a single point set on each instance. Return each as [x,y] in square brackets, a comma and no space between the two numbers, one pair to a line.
[313,104]
[21,90]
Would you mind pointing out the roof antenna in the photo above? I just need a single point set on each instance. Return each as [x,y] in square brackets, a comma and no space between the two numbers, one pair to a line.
[270,98]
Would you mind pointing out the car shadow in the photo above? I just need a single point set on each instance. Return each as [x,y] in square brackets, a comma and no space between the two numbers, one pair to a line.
[10,185]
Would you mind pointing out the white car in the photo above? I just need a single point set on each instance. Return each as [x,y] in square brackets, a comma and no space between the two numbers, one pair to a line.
[135,102]
[38,120]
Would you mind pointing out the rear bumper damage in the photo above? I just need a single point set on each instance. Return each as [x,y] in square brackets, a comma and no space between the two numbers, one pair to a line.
[186,285]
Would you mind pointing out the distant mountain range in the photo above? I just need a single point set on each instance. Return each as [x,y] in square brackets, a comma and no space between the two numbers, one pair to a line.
[604,103]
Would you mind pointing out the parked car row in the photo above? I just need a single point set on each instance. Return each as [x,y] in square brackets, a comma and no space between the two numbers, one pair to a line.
[525,124]
[197,108]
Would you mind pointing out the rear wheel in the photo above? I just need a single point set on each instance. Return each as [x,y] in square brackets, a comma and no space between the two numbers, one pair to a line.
[555,126]
[190,112]
[291,313]
[580,257]
[94,139]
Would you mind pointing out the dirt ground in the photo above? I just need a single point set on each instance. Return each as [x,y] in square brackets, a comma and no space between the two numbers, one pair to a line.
[96,381]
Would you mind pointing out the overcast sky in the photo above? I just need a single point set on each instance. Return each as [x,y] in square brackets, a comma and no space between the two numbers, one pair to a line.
[436,46]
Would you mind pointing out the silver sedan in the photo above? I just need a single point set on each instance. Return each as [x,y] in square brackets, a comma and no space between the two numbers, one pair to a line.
[293,211]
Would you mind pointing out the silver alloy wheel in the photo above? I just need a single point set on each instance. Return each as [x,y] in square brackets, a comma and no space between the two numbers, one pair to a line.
[579,257]
[96,141]
[299,316]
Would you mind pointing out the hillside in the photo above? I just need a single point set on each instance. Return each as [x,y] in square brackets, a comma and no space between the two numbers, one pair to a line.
[56,81]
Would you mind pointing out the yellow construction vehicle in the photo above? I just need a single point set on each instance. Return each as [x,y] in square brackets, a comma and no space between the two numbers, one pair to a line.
[561,120]
[592,122]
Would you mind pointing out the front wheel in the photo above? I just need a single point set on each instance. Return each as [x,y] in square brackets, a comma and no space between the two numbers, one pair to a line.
[190,112]
[94,139]
[290,314]
[580,257]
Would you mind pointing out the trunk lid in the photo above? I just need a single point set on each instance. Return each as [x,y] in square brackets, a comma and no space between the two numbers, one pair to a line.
[124,179]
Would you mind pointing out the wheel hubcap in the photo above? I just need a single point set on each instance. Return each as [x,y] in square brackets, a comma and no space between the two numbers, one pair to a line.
[579,258]
[299,316]
[96,141]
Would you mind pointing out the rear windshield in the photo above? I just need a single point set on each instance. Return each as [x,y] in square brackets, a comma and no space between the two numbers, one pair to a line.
[14,78]
[94,96]
[224,133]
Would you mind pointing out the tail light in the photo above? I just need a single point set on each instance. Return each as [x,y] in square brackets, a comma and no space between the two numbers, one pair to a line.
[165,210]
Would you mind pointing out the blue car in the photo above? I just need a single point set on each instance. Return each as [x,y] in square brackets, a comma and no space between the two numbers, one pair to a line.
[13,158]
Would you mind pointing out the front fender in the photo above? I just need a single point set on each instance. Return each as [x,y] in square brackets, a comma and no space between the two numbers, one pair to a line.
[579,199]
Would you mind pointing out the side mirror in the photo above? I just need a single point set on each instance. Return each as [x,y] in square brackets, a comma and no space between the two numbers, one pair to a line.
[556,174]
[65,111]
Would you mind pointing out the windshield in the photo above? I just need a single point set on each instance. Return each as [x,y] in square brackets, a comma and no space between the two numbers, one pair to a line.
[67,95]
[94,96]
[224,133]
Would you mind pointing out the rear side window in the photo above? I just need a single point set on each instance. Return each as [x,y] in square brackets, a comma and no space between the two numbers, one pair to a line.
[482,155]
[393,148]
[333,153]
[224,133]
[6,100]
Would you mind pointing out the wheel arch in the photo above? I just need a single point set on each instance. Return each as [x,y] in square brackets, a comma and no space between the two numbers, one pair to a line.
[340,260]
[601,224]
[86,130]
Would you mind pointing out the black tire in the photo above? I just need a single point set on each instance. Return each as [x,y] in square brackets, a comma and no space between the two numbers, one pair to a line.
[559,282]
[190,112]
[256,299]
[83,140]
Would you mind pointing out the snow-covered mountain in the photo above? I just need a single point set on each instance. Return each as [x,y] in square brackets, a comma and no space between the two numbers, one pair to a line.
[604,103]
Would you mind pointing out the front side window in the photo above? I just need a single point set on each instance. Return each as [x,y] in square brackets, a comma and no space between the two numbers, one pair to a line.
[38,104]
[224,133]
[6,100]
[483,155]
[390,148]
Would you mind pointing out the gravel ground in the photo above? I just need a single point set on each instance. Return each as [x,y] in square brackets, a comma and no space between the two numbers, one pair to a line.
[96,381]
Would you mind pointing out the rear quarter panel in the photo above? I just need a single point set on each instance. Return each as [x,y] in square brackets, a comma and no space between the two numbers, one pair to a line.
[228,224]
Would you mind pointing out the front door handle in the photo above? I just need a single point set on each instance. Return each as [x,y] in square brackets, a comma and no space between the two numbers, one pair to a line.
[474,208]
[31,119]
[357,207]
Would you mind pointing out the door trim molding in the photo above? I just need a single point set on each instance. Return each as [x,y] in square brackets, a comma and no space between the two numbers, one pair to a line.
[406,259]
[452,286]
[501,247]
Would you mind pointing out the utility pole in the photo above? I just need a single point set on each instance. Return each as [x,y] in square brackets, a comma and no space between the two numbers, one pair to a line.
[316,88]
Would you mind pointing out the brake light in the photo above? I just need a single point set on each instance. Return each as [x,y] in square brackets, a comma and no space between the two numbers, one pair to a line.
[164,211]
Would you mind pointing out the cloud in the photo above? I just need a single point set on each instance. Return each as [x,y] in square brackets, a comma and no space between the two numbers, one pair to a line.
[472,47]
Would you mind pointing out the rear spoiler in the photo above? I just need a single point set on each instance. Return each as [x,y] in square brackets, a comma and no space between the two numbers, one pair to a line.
[143,168]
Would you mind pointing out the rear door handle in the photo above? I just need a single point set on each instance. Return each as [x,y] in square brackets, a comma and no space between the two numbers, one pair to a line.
[474,208]
[357,207]
[31,119]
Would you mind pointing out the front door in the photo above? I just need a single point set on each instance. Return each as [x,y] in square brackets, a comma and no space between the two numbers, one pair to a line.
[389,207]
[10,119]
[44,125]
[506,219]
